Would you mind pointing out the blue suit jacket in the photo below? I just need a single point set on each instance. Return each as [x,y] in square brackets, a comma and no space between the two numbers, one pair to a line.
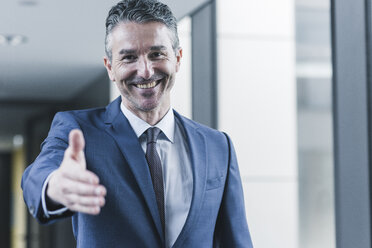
[130,217]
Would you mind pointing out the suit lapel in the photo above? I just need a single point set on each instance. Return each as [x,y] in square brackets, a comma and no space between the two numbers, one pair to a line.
[121,131]
[198,150]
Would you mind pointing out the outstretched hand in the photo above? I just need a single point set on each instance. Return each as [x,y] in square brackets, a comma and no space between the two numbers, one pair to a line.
[72,185]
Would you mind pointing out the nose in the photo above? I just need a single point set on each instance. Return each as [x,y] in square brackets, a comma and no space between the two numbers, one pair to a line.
[144,68]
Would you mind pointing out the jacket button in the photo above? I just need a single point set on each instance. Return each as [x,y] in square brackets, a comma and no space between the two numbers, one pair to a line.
[31,210]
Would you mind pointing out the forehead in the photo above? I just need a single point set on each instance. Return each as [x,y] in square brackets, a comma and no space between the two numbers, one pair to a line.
[131,35]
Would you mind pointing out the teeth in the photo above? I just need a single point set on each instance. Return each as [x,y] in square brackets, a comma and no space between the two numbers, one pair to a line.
[146,86]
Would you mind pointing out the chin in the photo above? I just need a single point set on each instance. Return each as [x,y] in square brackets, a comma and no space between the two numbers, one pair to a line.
[147,107]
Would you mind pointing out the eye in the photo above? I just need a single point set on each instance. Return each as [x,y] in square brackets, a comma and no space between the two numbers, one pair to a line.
[157,55]
[129,58]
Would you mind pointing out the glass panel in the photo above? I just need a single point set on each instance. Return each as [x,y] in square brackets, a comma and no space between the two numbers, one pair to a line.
[314,106]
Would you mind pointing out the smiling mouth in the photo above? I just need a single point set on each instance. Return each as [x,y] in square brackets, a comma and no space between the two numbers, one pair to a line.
[148,85]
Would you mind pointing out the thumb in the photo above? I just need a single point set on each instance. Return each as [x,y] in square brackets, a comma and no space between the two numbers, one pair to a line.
[76,144]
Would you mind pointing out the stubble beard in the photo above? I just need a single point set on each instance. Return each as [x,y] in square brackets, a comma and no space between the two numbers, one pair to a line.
[136,105]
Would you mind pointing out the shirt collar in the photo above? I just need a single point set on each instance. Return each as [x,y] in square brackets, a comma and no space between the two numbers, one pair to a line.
[166,125]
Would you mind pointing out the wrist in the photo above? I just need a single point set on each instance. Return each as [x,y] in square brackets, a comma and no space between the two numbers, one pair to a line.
[51,204]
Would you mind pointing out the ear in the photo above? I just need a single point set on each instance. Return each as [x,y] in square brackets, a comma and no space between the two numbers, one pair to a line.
[108,66]
[178,57]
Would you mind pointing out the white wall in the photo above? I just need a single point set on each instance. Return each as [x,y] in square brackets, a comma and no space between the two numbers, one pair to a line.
[257,108]
[181,93]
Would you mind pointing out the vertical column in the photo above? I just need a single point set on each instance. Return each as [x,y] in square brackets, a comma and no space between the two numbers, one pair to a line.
[351,100]
[19,211]
[204,64]
[5,207]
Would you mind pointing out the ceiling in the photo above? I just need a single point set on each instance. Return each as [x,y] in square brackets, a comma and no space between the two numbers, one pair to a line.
[63,50]
[63,53]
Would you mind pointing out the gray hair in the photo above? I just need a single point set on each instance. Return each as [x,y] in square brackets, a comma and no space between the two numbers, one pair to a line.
[140,11]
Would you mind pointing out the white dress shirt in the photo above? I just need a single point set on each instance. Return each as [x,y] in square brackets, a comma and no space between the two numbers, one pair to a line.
[177,172]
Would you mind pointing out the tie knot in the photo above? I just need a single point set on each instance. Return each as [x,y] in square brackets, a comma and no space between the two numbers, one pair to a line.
[152,134]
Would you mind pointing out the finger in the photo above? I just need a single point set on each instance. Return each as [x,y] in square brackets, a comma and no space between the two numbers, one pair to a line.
[75,173]
[85,209]
[76,143]
[83,189]
[88,201]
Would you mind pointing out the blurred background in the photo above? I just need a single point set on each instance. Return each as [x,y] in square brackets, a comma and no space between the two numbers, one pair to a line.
[260,70]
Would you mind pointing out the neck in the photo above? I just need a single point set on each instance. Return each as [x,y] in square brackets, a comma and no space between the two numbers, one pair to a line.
[152,117]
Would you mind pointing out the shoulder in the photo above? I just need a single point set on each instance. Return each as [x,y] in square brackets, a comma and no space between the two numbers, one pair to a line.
[79,117]
[91,117]
[209,133]
[82,114]
[63,122]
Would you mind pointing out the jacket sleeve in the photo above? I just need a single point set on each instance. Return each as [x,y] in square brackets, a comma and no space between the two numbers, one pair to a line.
[231,226]
[49,159]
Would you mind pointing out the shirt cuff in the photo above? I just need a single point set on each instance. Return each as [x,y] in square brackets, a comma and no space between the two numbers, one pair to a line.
[43,201]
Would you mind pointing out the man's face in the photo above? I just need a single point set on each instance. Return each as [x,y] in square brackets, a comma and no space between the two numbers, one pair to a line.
[143,65]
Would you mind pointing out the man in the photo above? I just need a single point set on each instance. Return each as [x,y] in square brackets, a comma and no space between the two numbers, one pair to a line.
[136,173]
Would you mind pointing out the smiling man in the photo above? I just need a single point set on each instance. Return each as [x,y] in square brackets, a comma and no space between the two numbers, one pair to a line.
[143,64]
[137,173]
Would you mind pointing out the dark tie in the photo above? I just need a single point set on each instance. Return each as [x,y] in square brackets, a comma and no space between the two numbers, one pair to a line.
[154,162]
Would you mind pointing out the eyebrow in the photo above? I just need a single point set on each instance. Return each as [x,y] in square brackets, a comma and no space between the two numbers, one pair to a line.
[157,48]
[127,51]
[153,48]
